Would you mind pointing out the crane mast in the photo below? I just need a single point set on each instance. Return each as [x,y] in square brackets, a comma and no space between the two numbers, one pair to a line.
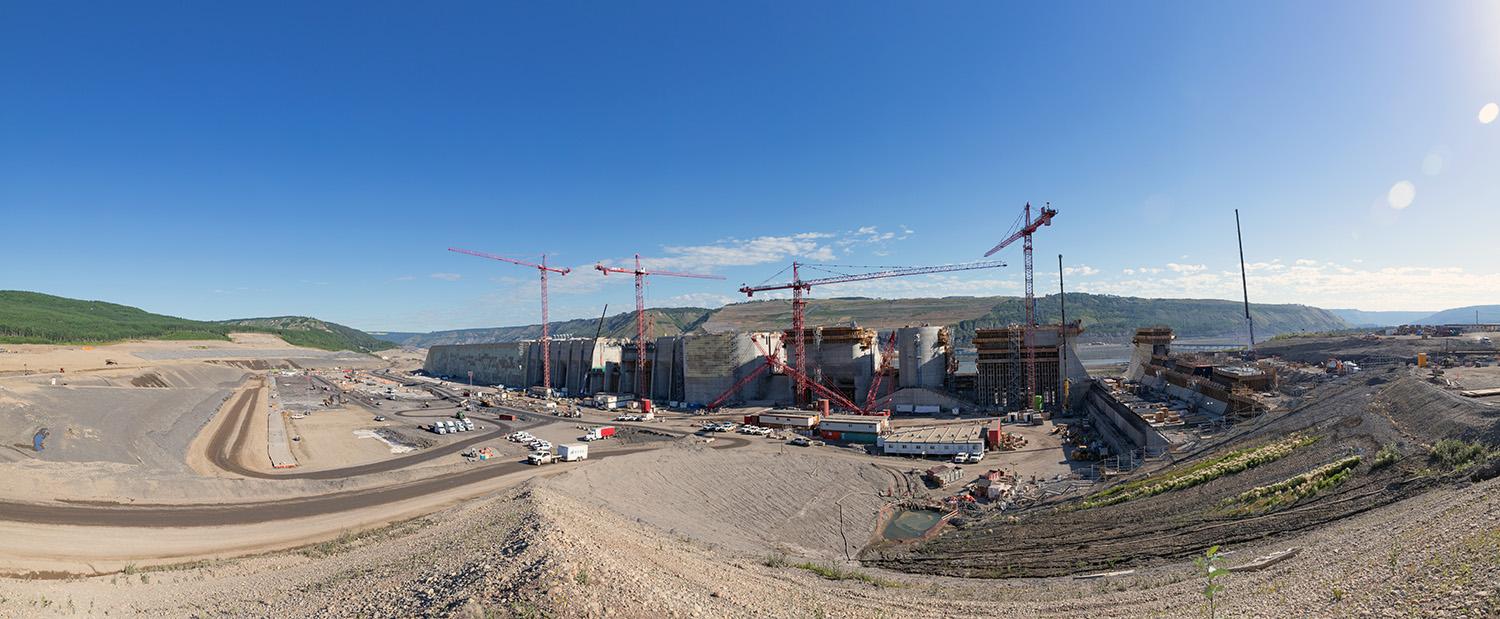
[1029,227]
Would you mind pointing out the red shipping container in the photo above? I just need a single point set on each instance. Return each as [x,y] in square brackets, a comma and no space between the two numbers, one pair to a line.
[645,405]
[829,435]
[506,417]
[607,431]
[992,436]
[751,419]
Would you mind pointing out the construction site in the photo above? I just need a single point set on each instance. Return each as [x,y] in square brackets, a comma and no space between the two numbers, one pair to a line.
[815,470]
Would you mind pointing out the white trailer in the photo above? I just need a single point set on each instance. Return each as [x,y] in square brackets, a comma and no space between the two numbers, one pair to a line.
[572,452]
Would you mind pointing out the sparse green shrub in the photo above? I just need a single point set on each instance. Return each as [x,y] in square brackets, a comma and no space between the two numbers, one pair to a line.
[1200,473]
[582,577]
[1296,487]
[1385,457]
[1453,454]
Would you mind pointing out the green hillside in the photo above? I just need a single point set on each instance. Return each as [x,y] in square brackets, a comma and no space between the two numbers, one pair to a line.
[35,318]
[313,333]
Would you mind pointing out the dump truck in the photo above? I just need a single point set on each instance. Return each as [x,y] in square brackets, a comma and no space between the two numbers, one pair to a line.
[573,452]
[599,433]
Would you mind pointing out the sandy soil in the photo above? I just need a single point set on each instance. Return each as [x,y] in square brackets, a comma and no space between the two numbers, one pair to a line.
[328,439]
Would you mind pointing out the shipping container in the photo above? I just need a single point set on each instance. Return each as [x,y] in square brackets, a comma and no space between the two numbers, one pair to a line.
[751,420]
[506,417]
[859,437]
[830,435]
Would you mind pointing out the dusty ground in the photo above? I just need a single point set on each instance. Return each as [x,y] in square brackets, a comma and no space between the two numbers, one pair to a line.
[538,551]
[739,531]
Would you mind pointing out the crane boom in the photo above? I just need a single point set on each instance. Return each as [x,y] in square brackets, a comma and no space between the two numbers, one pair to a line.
[1045,219]
[543,265]
[941,268]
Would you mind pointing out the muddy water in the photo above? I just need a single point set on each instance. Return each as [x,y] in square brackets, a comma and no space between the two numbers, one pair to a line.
[910,524]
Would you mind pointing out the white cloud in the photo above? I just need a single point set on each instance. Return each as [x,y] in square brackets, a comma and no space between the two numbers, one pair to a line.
[447,277]
[742,252]
[405,278]
[700,299]
[1186,268]
[1082,270]
[1128,271]
[1306,263]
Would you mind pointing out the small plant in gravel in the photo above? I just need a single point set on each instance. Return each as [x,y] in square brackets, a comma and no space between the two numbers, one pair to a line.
[1211,563]
[834,572]
[582,577]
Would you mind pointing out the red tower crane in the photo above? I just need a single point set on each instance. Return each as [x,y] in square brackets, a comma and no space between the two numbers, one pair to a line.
[546,340]
[640,313]
[1027,228]
[799,287]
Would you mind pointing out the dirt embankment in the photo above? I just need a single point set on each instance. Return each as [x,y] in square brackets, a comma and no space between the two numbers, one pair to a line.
[1350,417]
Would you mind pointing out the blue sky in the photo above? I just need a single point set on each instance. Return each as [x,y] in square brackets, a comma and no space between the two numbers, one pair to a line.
[211,161]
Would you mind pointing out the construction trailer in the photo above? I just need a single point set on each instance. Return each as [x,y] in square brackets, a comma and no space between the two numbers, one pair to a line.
[791,419]
[934,441]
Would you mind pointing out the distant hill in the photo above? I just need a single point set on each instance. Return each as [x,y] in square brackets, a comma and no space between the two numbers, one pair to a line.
[1462,315]
[35,318]
[1361,318]
[313,333]
[664,321]
[1112,317]
[1104,316]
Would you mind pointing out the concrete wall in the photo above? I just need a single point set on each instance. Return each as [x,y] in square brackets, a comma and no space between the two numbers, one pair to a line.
[923,361]
[1125,423]
[492,364]
[519,364]
[666,371]
[713,363]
